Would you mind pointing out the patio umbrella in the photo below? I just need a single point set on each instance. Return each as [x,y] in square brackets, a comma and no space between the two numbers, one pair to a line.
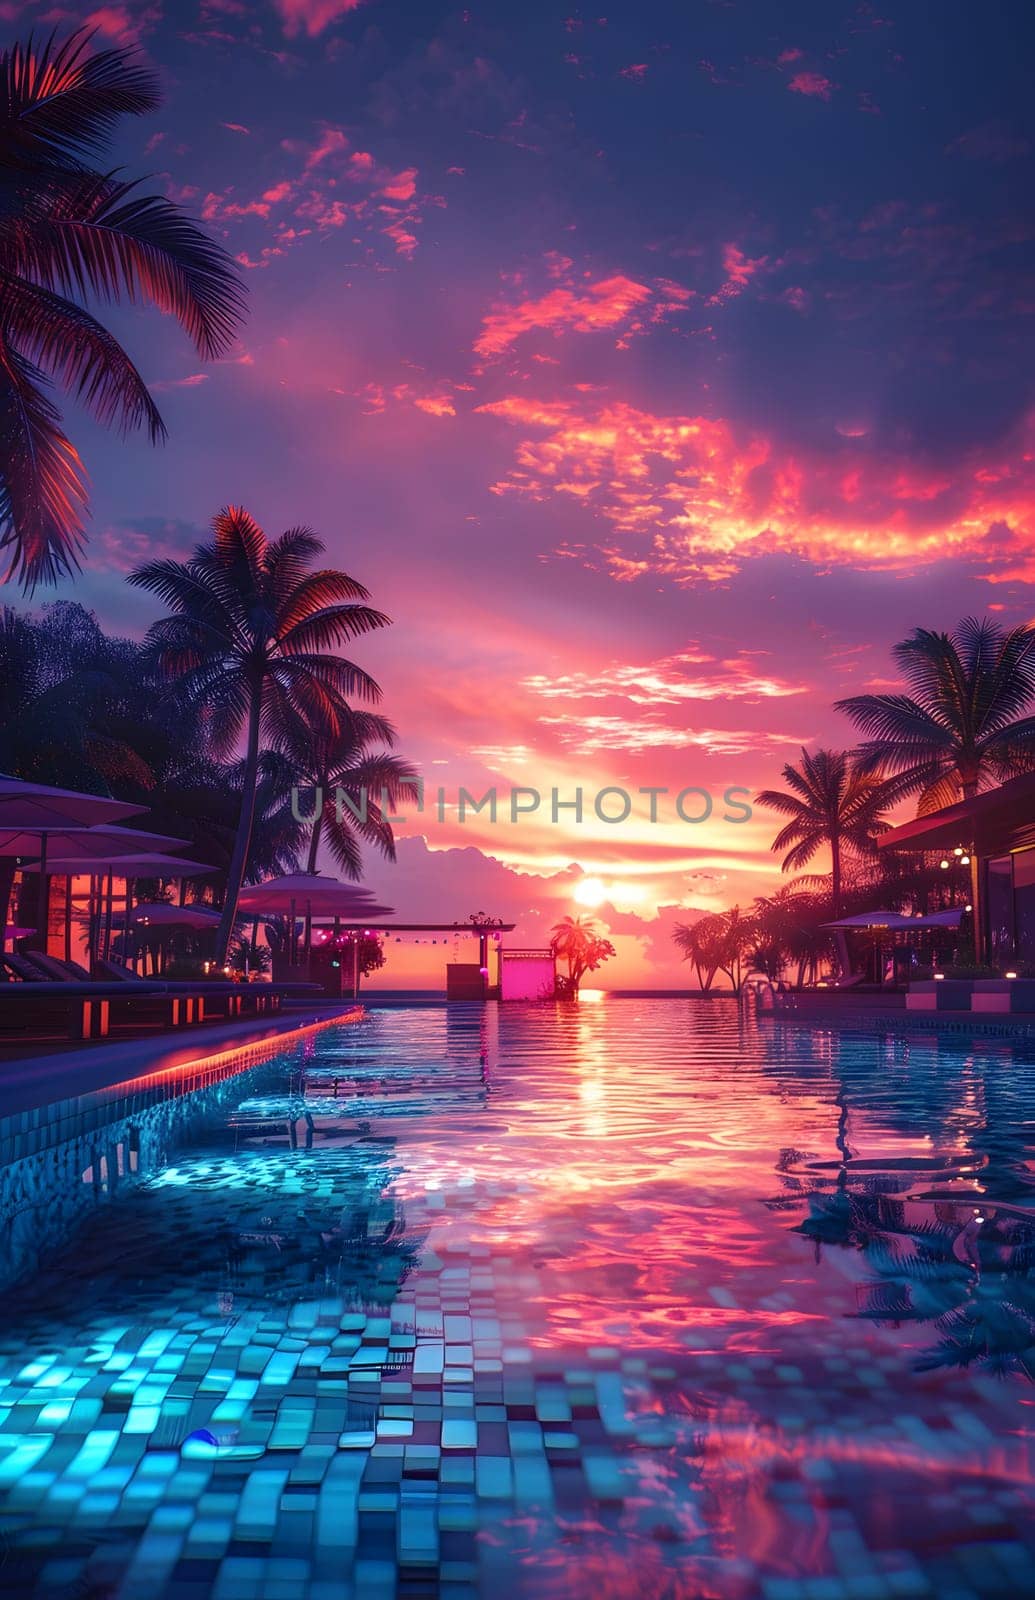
[140,864]
[38,808]
[940,919]
[158,914]
[80,846]
[34,811]
[873,919]
[309,894]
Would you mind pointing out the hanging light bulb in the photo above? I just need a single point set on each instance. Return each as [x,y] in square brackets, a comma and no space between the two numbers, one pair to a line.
[943,863]
[964,861]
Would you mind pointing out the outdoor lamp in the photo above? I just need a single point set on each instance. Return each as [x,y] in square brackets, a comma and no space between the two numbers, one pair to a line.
[964,861]
[958,850]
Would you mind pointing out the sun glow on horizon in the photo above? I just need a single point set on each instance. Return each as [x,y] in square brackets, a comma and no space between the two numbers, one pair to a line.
[590,892]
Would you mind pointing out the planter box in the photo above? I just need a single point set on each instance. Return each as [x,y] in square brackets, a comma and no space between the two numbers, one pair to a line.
[952,994]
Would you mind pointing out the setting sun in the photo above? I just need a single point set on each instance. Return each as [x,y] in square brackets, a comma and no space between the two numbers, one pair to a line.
[590,892]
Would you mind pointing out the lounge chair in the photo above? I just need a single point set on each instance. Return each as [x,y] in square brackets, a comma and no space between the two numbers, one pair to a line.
[47,978]
[210,996]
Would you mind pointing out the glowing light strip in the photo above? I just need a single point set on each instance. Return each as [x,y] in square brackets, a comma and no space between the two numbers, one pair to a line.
[243,1052]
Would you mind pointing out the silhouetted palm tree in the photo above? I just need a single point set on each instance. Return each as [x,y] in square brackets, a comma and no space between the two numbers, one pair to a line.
[337,761]
[716,943]
[577,941]
[698,943]
[69,233]
[250,640]
[830,803]
[961,727]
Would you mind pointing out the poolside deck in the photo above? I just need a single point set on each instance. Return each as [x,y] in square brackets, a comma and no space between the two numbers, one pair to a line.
[30,1082]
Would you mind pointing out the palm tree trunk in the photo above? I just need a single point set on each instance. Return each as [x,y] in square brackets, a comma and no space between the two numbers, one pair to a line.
[835,873]
[239,858]
[314,843]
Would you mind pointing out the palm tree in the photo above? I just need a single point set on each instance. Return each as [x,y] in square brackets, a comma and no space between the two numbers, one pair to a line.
[717,943]
[961,726]
[336,760]
[249,640]
[576,939]
[830,803]
[68,233]
[698,944]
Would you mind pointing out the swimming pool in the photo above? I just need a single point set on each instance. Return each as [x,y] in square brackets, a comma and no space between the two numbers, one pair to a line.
[640,1298]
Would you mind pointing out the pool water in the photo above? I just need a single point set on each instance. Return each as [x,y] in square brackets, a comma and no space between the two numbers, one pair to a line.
[633,1299]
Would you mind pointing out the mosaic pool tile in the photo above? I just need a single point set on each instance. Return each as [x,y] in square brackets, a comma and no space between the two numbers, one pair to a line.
[550,1302]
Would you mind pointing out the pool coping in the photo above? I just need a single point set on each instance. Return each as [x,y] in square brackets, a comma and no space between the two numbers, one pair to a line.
[1021,1025]
[39,1084]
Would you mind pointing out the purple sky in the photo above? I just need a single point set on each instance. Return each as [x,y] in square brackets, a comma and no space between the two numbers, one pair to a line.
[657,370]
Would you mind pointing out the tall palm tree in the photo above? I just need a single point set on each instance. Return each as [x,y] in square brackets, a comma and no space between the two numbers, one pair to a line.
[250,639]
[961,726]
[339,759]
[829,803]
[70,232]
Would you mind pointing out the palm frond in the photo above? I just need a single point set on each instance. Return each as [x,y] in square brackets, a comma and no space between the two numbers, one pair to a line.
[75,349]
[42,484]
[102,237]
[60,102]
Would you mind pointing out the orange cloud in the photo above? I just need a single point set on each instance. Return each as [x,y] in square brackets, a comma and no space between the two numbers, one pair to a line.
[693,497]
[591,735]
[436,405]
[605,304]
[668,681]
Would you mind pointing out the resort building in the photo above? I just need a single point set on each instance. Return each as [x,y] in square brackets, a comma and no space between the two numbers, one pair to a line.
[992,834]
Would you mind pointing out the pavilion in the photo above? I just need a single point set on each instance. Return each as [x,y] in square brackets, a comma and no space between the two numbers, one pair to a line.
[994,835]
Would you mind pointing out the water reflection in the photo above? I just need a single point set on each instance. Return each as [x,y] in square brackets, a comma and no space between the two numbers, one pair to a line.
[622,1300]
[932,1189]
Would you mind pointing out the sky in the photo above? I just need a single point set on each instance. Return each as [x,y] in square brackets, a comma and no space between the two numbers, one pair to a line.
[657,367]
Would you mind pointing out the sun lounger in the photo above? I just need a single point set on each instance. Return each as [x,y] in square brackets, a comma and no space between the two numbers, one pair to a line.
[211,997]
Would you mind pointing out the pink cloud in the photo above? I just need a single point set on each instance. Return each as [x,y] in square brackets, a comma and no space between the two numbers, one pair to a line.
[312,16]
[332,142]
[403,186]
[739,269]
[811,83]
